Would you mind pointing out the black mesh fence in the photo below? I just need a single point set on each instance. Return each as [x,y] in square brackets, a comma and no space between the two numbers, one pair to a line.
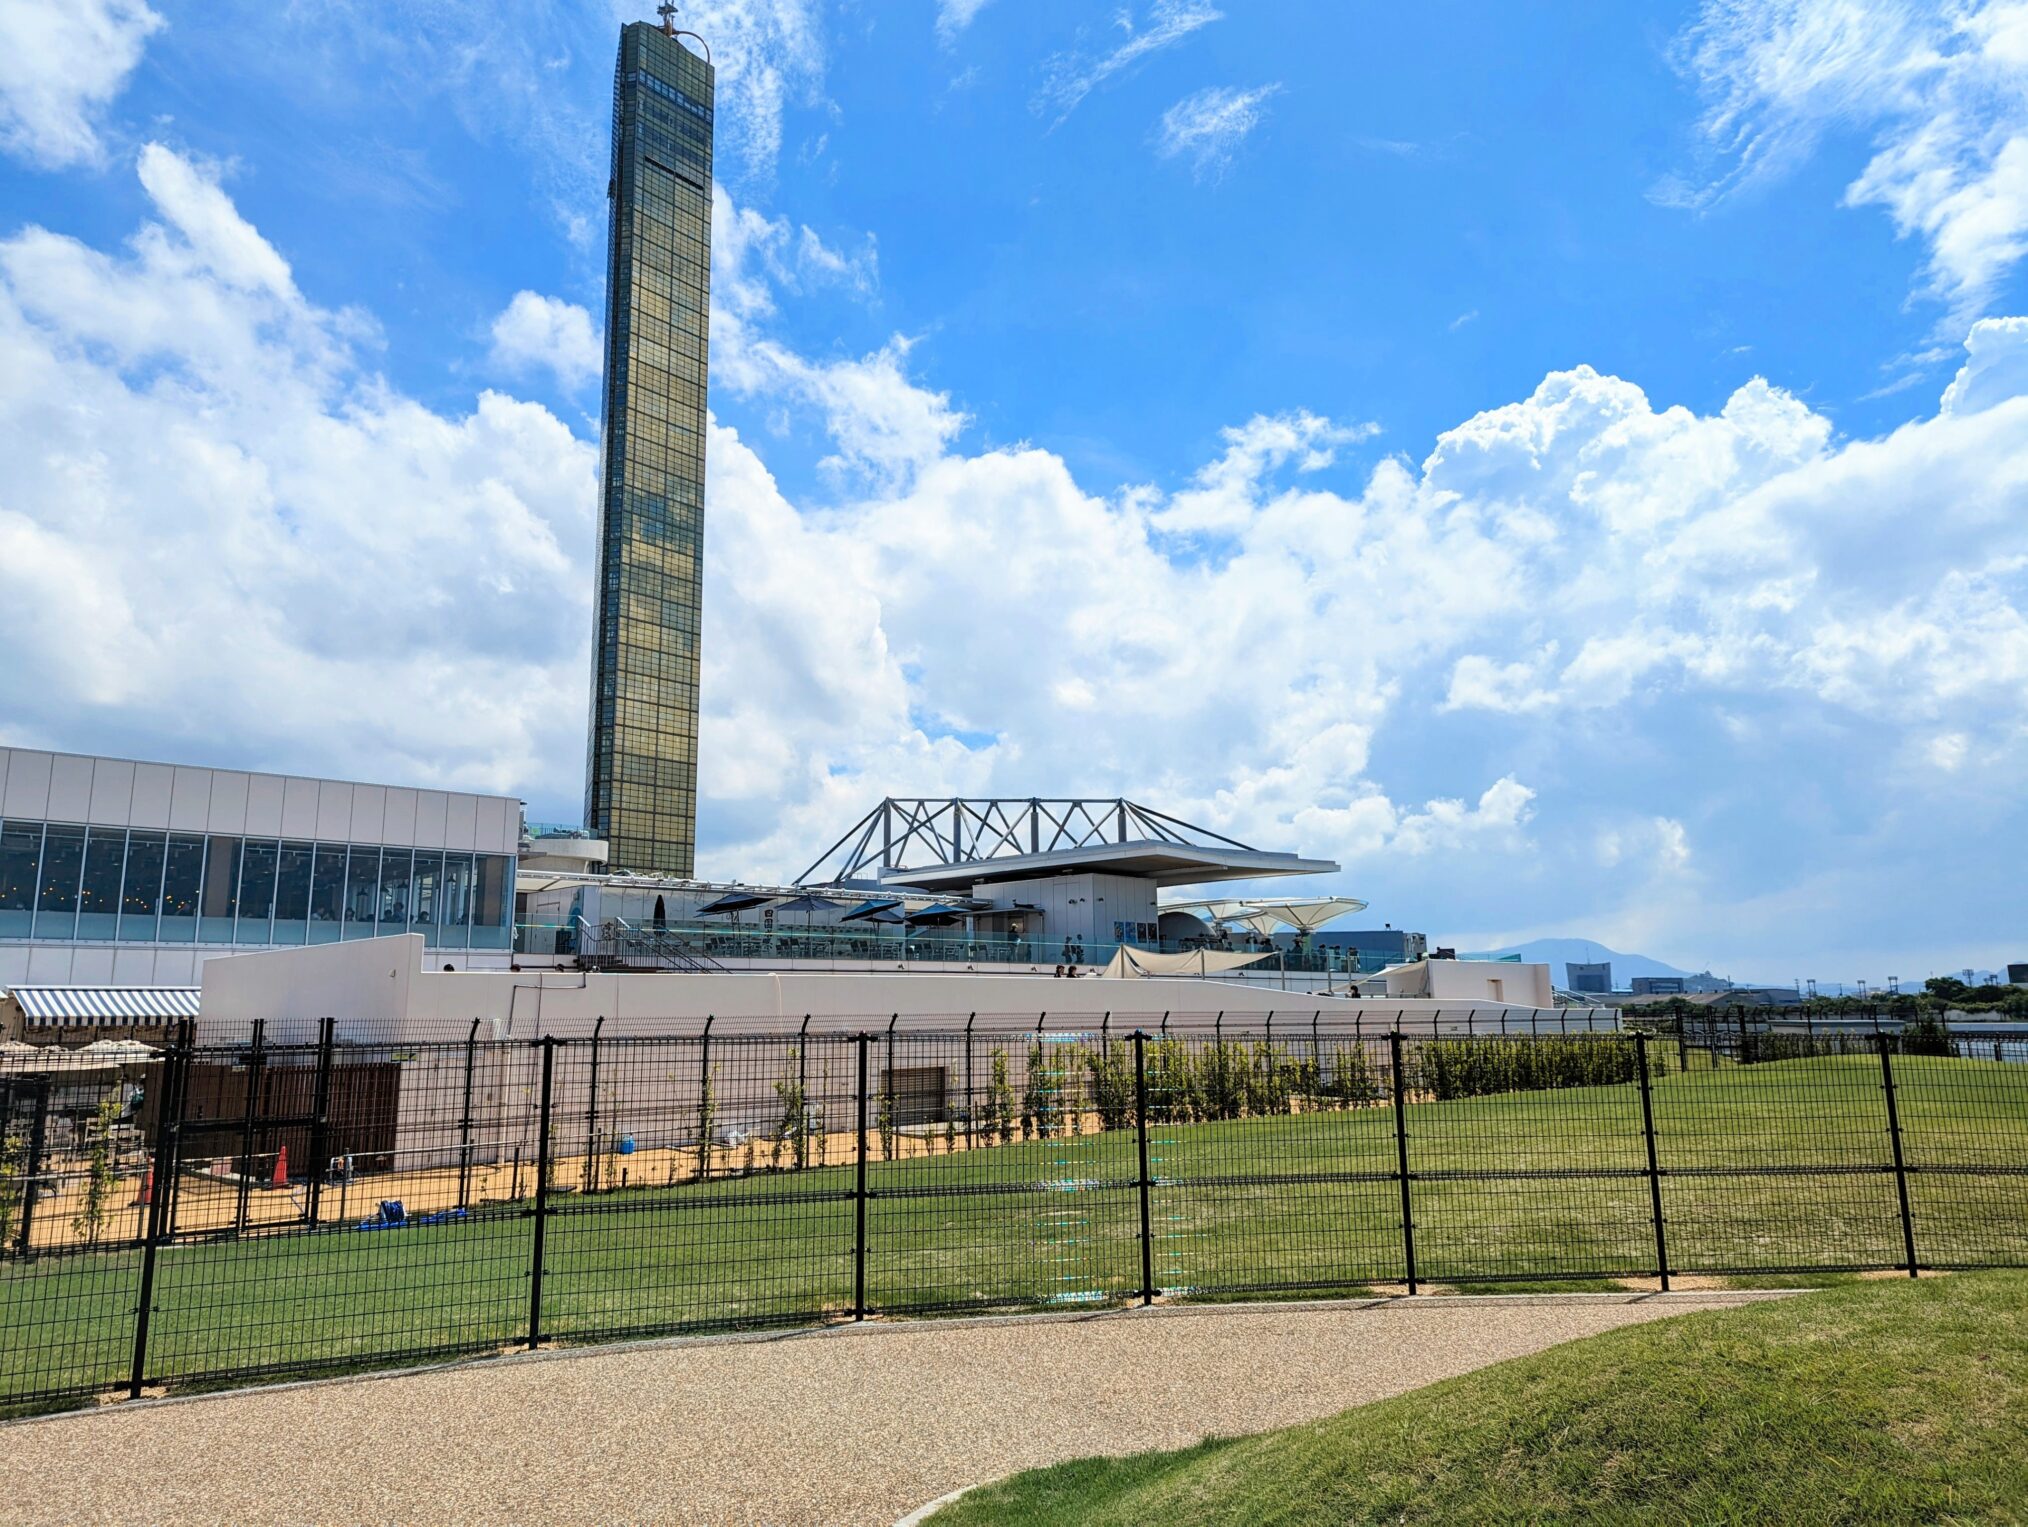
[230,1211]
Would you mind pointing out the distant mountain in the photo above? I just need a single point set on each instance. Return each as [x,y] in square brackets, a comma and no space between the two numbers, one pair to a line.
[1557,953]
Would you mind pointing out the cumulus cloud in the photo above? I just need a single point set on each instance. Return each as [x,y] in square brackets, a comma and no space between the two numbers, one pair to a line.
[1581,613]
[537,332]
[61,64]
[1944,91]
[216,524]
[1072,76]
[1208,127]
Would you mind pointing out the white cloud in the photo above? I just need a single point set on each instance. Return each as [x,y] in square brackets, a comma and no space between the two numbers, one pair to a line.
[769,55]
[535,331]
[223,537]
[953,16]
[1073,76]
[61,64]
[1209,126]
[1944,90]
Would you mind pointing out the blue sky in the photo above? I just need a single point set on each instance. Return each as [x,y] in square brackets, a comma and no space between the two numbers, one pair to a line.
[1503,448]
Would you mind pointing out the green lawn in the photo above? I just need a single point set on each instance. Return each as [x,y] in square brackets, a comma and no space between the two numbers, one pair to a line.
[1245,1207]
[1882,1402]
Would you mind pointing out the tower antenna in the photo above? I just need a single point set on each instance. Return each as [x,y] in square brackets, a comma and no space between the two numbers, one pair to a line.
[667,12]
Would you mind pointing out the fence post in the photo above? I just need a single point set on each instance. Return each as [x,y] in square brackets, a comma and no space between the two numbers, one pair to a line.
[320,1123]
[1141,1141]
[465,1120]
[1401,1158]
[859,1196]
[31,1187]
[168,1123]
[1894,1134]
[971,1096]
[591,1114]
[548,1043]
[1654,1168]
[246,1131]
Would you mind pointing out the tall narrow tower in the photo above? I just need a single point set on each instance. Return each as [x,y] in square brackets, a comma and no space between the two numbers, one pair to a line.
[641,774]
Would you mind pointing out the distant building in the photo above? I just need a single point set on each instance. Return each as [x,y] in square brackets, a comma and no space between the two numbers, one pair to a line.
[2017,974]
[1660,986]
[1596,979]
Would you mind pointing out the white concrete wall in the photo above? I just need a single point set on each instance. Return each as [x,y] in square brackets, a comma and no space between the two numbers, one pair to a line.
[1078,906]
[380,991]
[1488,981]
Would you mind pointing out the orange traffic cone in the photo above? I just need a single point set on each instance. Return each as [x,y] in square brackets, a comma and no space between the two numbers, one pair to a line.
[281,1168]
[147,1193]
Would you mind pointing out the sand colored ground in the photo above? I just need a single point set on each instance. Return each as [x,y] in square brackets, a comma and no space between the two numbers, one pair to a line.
[864,1423]
[210,1198]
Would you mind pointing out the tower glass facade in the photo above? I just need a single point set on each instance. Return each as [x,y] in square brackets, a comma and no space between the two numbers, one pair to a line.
[641,779]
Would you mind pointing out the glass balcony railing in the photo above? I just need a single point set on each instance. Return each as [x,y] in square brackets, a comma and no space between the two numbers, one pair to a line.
[678,943]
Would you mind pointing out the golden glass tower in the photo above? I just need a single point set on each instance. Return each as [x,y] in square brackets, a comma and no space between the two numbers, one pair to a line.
[641,776]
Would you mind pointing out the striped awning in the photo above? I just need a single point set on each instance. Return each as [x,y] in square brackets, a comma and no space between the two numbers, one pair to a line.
[91,1006]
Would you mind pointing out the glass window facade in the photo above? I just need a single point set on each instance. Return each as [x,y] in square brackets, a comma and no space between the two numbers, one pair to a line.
[641,778]
[62,881]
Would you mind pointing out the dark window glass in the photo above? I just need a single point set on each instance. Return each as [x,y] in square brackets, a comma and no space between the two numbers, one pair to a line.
[394,890]
[292,893]
[327,893]
[362,893]
[62,864]
[221,891]
[20,857]
[142,892]
[98,896]
[455,904]
[424,893]
[489,908]
[256,893]
[182,885]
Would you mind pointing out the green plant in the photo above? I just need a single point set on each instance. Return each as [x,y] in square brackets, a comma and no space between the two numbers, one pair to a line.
[12,1150]
[794,1125]
[1112,1084]
[1925,1034]
[888,1131]
[99,1171]
[707,1122]
[1000,1101]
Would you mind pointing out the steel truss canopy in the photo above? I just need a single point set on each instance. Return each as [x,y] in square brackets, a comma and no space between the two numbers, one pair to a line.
[955,844]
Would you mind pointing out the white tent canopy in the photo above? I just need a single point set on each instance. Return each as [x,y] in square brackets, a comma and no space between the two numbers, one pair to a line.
[1265,916]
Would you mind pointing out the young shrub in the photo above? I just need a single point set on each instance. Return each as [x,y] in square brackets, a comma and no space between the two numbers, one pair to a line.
[1000,1104]
[1926,1034]
[99,1174]
[794,1124]
[889,1133]
[1112,1084]
[707,1121]
[12,1151]
[1034,1095]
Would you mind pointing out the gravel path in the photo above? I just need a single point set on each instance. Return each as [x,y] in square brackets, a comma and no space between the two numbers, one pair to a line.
[847,1425]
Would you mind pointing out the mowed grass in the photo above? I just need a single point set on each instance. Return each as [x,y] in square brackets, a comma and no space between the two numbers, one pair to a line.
[1882,1402]
[1300,1203]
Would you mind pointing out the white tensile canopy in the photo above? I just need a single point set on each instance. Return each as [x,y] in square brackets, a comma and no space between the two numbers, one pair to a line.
[1264,917]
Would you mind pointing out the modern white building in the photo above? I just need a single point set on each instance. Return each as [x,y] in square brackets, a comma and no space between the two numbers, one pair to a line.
[115,872]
